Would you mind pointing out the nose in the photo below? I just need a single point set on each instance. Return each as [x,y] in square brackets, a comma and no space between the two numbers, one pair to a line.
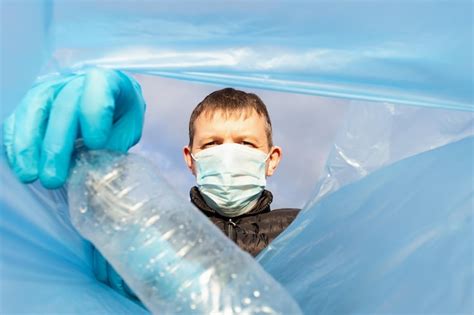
[229,140]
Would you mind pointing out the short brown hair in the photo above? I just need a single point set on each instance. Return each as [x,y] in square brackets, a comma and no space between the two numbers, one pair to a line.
[231,102]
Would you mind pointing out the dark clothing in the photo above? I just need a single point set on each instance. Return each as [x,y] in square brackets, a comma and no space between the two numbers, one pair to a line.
[254,230]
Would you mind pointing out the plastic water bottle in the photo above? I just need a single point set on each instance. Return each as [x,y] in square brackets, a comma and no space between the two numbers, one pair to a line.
[166,250]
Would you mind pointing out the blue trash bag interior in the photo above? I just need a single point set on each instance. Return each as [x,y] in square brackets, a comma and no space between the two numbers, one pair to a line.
[386,225]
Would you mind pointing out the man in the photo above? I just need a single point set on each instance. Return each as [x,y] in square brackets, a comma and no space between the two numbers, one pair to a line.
[231,153]
[230,149]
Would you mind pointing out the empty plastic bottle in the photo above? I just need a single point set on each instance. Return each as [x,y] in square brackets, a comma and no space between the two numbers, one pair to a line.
[167,251]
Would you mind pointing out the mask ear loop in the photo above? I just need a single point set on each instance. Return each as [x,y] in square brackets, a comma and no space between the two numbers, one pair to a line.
[194,158]
[268,155]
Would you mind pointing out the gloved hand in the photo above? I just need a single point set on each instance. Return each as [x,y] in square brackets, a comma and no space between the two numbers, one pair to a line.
[103,107]
[105,273]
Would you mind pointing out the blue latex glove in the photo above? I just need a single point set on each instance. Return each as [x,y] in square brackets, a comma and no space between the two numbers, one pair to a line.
[105,273]
[103,107]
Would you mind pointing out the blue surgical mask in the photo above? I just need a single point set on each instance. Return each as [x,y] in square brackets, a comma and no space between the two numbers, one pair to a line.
[231,177]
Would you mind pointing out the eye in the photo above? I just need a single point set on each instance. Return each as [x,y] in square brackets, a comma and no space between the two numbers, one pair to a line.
[210,144]
[247,143]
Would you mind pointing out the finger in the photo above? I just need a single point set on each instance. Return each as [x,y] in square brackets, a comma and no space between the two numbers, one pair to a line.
[97,106]
[30,122]
[115,281]
[8,134]
[129,118]
[60,135]
[99,265]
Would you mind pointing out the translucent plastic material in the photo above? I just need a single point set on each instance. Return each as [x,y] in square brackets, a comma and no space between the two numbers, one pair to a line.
[403,241]
[399,241]
[45,265]
[392,132]
[170,254]
[401,51]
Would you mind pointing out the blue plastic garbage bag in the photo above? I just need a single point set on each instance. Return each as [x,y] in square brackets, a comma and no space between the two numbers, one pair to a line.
[45,265]
[389,238]
[393,242]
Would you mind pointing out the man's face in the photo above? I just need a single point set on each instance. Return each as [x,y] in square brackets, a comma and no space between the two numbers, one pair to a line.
[211,129]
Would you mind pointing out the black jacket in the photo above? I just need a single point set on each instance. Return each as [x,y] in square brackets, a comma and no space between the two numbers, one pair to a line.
[254,230]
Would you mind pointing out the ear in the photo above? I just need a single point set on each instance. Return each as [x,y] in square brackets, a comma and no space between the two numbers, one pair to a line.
[189,159]
[273,160]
